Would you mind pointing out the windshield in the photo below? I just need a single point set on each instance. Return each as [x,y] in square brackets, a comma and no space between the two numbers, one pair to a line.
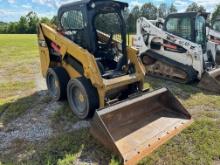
[180,26]
[72,20]
[216,25]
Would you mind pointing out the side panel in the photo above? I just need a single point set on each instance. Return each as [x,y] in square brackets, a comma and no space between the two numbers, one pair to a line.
[44,52]
[67,47]
[90,67]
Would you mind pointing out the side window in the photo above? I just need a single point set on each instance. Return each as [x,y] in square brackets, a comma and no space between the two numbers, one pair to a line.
[105,20]
[216,26]
[72,19]
[72,23]
[180,27]
[186,28]
[200,30]
[172,25]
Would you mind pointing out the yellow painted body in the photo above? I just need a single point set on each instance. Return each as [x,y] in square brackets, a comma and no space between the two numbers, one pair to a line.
[133,128]
[88,62]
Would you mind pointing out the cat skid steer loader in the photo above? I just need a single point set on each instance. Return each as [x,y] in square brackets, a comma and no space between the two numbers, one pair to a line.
[180,50]
[103,80]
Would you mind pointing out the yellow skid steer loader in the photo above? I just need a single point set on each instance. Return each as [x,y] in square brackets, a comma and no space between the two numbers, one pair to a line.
[103,80]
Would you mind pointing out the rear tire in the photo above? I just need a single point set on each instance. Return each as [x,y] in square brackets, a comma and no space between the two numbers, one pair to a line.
[82,97]
[57,79]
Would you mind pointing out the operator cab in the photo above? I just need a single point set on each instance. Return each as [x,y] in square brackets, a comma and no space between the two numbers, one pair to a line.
[95,25]
[216,25]
[190,26]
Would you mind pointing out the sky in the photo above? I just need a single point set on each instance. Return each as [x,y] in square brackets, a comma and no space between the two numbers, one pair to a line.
[11,10]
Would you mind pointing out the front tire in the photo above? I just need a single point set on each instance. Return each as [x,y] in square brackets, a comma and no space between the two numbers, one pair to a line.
[57,79]
[82,97]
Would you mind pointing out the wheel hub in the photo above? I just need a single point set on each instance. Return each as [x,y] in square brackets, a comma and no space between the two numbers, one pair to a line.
[81,98]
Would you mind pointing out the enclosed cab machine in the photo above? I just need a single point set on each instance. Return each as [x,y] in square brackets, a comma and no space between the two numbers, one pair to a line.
[180,50]
[103,80]
[213,32]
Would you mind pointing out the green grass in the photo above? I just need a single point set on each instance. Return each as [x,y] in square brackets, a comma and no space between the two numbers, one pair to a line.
[18,51]
[189,95]
[10,89]
[199,144]
[64,114]
[196,145]
[18,68]
[63,149]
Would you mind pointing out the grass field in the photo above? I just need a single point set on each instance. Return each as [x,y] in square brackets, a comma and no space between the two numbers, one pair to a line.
[19,96]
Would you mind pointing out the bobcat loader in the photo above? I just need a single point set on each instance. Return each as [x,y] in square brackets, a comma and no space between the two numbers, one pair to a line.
[103,80]
[214,36]
[180,50]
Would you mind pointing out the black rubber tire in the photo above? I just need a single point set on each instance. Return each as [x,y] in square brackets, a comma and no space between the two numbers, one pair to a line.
[82,97]
[61,77]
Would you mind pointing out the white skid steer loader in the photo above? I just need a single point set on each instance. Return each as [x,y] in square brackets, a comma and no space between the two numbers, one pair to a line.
[214,36]
[180,50]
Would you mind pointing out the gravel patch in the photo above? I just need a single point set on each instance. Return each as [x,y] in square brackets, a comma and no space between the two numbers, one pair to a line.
[32,126]
[70,127]
[35,124]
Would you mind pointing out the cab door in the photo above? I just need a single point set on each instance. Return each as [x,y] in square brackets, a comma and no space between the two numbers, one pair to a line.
[74,27]
[200,32]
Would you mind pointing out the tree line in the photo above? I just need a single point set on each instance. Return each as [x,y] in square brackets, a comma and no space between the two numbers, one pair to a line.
[28,23]
[149,11]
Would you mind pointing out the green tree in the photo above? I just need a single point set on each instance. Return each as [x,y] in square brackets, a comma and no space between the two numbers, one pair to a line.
[33,21]
[136,11]
[12,28]
[22,26]
[3,27]
[163,10]
[26,24]
[195,7]
[149,11]
[172,9]
[216,13]
[132,18]
[54,21]
[45,20]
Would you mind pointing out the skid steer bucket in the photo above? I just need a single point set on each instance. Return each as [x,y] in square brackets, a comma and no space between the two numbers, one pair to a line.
[135,127]
[211,81]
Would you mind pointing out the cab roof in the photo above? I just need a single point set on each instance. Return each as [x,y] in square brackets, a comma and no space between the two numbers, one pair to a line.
[86,2]
[188,14]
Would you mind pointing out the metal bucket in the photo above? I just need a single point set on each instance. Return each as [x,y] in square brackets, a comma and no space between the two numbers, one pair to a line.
[137,126]
[211,81]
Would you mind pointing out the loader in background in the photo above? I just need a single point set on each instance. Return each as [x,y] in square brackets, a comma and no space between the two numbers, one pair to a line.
[216,24]
[180,50]
[103,80]
[213,32]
